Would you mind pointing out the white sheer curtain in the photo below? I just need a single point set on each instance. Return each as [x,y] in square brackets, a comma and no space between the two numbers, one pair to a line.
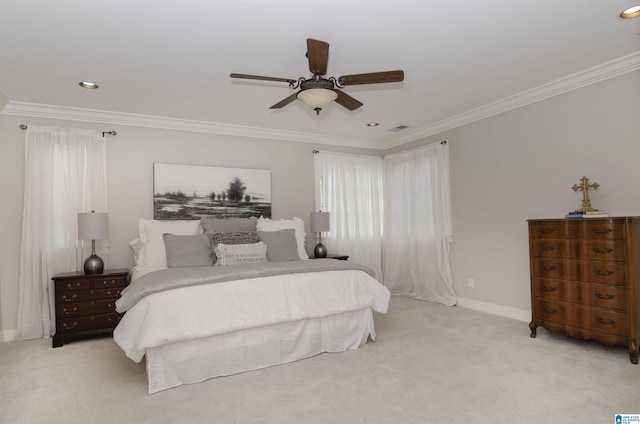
[350,188]
[65,173]
[417,225]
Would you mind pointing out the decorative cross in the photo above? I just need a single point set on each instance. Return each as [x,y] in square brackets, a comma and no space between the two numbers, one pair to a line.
[584,187]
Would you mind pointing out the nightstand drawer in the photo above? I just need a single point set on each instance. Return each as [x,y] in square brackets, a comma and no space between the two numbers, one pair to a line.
[92,322]
[85,308]
[69,285]
[81,296]
[109,282]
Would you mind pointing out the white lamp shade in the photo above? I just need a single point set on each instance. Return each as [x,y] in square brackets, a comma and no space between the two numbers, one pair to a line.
[93,225]
[320,222]
[317,98]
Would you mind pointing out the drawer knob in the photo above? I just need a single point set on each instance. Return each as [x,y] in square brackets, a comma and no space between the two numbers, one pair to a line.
[546,230]
[605,321]
[69,298]
[549,289]
[601,273]
[70,311]
[602,231]
[547,248]
[72,286]
[549,310]
[601,250]
[69,326]
[549,267]
[607,296]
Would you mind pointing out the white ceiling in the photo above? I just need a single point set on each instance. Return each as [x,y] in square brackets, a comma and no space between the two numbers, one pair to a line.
[167,63]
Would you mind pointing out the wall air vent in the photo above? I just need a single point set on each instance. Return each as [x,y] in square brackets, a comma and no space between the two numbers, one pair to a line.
[399,128]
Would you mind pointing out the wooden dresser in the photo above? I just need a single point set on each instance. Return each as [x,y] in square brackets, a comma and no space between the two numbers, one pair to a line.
[85,304]
[584,279]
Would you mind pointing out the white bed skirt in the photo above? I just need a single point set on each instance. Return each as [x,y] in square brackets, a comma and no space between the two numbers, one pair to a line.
[194,361]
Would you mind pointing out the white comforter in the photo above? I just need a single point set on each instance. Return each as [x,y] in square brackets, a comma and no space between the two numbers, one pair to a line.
[200,311]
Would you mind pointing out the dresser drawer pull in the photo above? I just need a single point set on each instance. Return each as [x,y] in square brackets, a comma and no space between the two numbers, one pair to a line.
[549,267]
[69,299]
[69,327]
[603,273]
[70,311]
[546,230]
[549,310]
[605,250]
[605,322]
[547,248]
[115,320]
[113,293]
[549,289]
[602,231]
[608,296]
[72,286]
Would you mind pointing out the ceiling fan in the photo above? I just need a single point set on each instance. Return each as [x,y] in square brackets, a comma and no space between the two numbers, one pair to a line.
[318,91]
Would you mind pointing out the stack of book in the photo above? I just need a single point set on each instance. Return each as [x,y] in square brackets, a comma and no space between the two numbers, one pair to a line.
[587,214]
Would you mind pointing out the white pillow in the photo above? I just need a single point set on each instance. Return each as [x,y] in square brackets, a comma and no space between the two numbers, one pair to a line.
[153,253]
[297,224]
[232,254]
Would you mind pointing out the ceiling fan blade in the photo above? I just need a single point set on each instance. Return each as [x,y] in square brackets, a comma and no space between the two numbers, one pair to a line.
[258,77]
[372,78]
[318,55]
[284,102]
[347,101]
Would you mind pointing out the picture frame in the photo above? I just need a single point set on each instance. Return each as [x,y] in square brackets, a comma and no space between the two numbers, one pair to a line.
[189,192]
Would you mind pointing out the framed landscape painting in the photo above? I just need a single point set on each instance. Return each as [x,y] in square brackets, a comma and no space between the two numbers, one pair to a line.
[194,191]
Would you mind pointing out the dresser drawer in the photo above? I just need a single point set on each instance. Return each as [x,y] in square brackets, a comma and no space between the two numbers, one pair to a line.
[608,273]
[555,230]
[612,297]
[589,318]
[84,323]
[593,249]
[85,308]
[601,229]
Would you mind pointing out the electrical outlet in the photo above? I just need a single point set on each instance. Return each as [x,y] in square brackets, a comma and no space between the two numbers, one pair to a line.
[472,282]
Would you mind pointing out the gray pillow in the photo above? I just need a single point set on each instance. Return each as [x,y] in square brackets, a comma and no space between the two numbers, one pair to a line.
[281,245]
[188,250]
[228,225]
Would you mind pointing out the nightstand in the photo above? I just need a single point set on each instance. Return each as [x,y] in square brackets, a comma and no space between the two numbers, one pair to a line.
[86,304]
[333,256]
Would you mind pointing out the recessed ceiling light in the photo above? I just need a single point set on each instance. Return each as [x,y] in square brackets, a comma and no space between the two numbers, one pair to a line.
[372,124]
[631,12]
[89,85]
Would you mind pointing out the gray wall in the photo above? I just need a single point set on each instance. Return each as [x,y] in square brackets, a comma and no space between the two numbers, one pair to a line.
[505,170]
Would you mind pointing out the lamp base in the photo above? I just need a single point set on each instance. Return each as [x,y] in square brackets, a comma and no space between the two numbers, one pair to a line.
[93,265]
[320,251]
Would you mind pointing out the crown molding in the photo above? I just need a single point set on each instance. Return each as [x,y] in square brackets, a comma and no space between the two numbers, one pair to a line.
[578,80]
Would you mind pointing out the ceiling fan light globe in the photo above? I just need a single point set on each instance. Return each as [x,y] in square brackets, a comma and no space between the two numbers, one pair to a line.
[317,98]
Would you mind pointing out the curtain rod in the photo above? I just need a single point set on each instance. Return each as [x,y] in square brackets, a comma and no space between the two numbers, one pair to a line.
[317,151]
[24,127]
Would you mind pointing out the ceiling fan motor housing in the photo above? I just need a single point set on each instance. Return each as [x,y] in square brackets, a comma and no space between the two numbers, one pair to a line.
[317,83]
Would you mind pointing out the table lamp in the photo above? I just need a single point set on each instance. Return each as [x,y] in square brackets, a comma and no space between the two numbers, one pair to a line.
[319,223]
[93,226]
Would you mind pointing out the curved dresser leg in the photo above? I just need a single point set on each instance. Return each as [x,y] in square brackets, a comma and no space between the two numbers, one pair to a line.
[533,327]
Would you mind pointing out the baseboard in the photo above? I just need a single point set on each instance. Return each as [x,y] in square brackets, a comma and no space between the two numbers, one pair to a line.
[8,335]
[495,309]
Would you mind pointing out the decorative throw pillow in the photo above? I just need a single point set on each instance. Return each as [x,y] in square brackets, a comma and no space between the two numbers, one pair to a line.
[188,250]
[228,225]
[237,237]
[297,224]
[233,254]
[282,245]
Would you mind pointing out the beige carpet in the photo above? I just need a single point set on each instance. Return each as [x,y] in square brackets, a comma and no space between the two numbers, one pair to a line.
[430,364]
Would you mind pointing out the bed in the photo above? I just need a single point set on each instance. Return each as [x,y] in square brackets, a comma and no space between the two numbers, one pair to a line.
[214,298]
